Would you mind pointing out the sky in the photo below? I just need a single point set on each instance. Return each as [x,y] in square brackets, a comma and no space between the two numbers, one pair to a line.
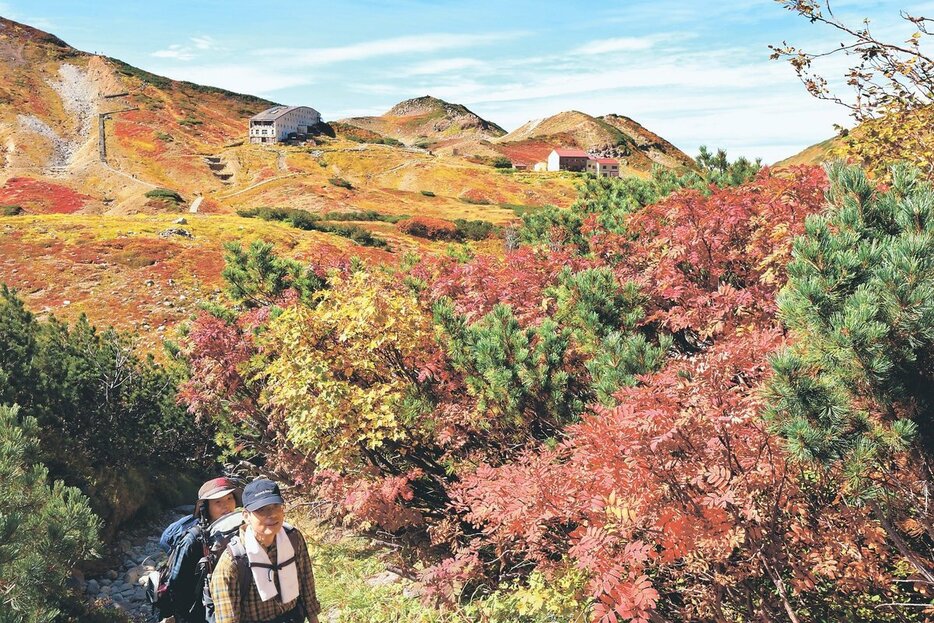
[697,72]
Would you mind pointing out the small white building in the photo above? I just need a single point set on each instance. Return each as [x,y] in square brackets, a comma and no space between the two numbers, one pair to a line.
[568,160]
[603,167]
[276,123]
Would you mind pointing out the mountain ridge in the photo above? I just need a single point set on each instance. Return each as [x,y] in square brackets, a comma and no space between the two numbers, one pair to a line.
[427,120]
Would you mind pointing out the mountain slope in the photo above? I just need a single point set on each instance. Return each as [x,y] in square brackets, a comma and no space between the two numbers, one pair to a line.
[815,154]
[656,148]
[53,96]
[427,120]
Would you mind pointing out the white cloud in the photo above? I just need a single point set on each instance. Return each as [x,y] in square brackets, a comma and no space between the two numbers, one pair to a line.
[347,113]
[204,42]
[619,44]
[238,78]
[176,52]
[190,50]
[442,66]
[381,47]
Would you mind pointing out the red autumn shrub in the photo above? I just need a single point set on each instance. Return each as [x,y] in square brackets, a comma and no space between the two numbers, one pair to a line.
[679,503]
[41,197]
[518,280]
[712,263]
[427,227]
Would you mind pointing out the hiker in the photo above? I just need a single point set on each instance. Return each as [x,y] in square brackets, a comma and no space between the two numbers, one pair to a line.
[265,574]
[191,558]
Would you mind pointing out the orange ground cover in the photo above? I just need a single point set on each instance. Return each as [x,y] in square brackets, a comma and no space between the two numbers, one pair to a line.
[526,152]
[41,197]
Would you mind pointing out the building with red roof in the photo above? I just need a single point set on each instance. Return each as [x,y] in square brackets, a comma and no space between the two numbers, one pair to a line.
[603,167]
[568,160]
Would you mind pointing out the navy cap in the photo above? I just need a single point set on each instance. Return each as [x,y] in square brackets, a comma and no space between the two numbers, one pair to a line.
[260,493]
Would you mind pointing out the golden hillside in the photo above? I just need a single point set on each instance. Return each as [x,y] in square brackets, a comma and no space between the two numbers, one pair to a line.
[815,154]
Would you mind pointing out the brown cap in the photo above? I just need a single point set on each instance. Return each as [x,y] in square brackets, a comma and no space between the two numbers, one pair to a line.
[214,489]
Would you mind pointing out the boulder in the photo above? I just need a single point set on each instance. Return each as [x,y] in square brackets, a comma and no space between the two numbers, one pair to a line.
[175,231]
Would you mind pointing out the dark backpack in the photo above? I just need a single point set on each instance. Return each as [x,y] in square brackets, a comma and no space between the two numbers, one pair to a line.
[160,590]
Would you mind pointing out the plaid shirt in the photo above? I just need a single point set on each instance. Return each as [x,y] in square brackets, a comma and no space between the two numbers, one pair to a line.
[231,607]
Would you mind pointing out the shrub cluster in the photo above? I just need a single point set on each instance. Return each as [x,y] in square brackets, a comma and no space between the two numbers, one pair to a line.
[474,198]
[587,413]
[427,227]
[302,219]
[165,194]
[439,229]
[340,182]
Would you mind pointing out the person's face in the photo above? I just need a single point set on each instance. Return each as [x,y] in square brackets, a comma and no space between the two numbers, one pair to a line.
[221,506]
[265,522]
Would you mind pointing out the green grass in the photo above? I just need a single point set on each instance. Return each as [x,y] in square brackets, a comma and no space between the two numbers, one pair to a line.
[10,210]
[519,209]
[365,215]
[342,565]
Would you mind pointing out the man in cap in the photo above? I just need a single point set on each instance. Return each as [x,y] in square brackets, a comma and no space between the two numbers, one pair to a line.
[265,574]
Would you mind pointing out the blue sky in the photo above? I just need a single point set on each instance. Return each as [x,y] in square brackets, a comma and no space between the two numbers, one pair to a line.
[694,71]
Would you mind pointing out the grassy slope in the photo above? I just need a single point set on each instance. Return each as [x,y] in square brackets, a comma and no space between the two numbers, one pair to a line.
[346,571]
[119,271]
[815,154]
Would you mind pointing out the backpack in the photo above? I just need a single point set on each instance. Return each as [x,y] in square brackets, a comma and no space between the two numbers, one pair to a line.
[161,593]
[176,530]
[159,589]
[244,575]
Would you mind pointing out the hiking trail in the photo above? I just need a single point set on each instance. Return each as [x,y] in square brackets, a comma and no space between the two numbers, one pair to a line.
[123,587]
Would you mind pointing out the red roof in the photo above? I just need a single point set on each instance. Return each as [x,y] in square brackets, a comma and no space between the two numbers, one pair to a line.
[572,153]
[606,160]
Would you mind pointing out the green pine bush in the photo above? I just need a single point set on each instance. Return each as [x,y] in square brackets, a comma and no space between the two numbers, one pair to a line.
[46,527]
[108,419]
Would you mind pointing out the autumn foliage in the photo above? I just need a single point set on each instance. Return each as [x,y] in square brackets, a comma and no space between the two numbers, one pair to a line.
[585,415]
[426,227]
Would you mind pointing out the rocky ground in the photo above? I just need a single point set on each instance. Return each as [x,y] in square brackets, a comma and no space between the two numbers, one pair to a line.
[123,586]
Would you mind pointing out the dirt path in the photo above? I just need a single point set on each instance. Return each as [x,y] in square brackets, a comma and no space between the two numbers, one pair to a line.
[258,184]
